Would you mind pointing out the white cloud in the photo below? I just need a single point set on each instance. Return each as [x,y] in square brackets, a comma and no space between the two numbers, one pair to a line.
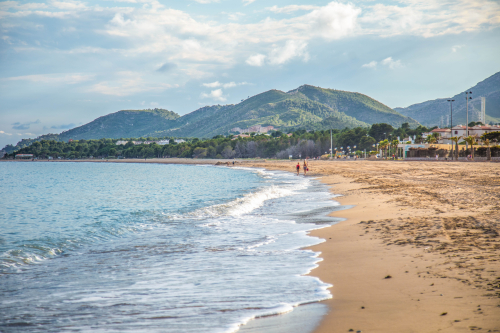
[217,84]
[216,95]
[256,60]
[291,8]
[2,132]
[247,2]
[388,62]
[206,1]
[334,21]
[67,5]
[428,18]
[128,83]
[54,78]
[212,85]
[292,49]
[234,16]
[392,64]
[371,64]
[455,48]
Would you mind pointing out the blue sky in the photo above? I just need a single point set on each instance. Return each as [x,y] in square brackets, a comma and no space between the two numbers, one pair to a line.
[64,63]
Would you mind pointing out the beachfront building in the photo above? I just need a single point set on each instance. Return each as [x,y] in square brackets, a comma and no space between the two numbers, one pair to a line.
[459,130]
[475,130]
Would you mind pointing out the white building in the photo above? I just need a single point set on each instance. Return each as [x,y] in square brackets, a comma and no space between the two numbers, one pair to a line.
[474,130]
[255,128]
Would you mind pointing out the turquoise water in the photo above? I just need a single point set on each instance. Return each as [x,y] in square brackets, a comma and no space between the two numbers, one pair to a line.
[156,248]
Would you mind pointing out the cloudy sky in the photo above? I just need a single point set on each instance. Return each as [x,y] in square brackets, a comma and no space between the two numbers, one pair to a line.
[64,63]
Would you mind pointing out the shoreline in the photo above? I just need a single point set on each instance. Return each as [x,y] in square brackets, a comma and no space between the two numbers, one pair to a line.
[444,271]
[432,227]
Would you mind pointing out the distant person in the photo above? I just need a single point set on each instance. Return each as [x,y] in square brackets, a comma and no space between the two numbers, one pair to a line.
[305,166]
[233,163]
[298,168]
[437,157]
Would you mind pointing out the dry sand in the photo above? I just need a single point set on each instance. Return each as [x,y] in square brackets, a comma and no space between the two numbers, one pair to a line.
[419,251]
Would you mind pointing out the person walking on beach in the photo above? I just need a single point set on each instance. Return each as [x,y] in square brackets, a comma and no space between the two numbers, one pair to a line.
[298,168]
[305,166]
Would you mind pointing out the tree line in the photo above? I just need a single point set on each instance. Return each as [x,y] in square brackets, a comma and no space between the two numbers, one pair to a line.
[276,145]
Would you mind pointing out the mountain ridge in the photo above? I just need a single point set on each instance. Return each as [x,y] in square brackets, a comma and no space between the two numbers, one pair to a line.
[306,107]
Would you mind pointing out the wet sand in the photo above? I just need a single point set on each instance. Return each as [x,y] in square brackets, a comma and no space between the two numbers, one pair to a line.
[418,252]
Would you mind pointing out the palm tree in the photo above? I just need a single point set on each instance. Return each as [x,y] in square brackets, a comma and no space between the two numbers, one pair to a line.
[431,139]
[456,139]
[472,141]
[383,145]
[395,143]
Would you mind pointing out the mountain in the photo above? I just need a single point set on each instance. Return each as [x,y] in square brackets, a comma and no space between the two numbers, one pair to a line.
[306,107]
[123,124]
[429,113]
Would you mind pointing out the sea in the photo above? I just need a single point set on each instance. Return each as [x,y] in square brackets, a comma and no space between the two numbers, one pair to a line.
[143,247]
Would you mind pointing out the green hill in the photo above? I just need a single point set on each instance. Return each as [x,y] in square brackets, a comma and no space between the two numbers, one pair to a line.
[356,105]
[429,113]
[274,107]
[123,124]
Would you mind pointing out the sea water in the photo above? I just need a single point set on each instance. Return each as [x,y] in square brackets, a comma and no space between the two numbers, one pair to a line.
[154,247]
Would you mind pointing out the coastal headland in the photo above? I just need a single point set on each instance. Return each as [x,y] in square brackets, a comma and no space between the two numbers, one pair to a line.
[419,250]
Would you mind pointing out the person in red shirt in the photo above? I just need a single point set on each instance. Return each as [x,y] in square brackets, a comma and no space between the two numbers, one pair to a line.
[298,168]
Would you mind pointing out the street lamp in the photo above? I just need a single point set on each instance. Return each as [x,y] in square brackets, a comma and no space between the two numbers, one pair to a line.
[451,125]
[467,97]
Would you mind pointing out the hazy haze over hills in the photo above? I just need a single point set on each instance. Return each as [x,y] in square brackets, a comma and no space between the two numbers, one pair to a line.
[429,113]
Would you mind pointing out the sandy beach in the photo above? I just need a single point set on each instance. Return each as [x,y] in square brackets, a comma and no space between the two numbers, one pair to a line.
[419,250]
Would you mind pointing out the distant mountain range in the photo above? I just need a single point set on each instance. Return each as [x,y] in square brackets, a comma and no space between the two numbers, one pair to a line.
[429,113]
[306,107]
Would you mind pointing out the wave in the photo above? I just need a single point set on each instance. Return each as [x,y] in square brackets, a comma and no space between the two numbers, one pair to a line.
[240,206]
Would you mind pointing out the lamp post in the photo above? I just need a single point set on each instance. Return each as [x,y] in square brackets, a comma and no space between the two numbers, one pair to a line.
[467,97]
[451,125]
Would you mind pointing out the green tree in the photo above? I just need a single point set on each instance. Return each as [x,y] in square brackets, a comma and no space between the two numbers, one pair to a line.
[377,131]
[199,152]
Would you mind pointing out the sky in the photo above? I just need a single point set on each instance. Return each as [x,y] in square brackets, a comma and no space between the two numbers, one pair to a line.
[64,63]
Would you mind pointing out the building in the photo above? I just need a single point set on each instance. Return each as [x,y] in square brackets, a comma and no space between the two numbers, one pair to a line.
[240,136]
[459,130]
[474,130]
[255,128]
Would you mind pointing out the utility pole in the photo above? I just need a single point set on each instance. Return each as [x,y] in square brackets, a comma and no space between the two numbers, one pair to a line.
[467,97]
[331,144]
[451,125]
